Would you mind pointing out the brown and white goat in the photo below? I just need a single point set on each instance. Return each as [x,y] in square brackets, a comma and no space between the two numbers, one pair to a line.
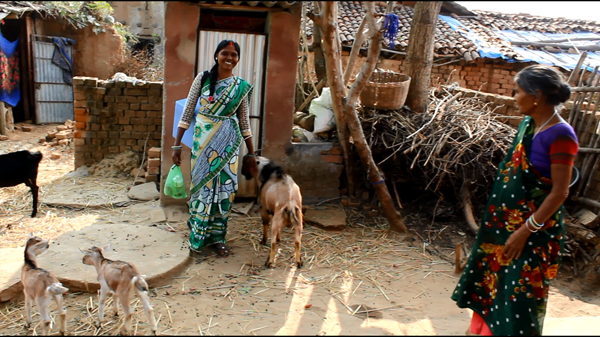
[119,278]
[280,197]
[41,286]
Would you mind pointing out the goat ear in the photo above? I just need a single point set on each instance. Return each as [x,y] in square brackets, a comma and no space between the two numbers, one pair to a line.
[86,252]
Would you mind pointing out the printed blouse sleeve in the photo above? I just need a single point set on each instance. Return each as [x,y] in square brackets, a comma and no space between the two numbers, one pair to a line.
[563,150]
[190,104]
[243,113]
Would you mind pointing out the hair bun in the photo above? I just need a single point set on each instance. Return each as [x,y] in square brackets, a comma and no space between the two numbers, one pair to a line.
[564,92]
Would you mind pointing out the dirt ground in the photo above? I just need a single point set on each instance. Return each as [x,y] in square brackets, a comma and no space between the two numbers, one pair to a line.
[403,286]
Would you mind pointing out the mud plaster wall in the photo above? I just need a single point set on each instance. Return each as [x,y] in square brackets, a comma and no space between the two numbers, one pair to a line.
[181,20]
[93,54]
[144,18]
[506,106]
[115,117]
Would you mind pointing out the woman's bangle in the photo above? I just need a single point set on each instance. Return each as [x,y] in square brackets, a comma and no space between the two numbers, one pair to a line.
[535,223]
[528,224]
[251,155]
[176,147]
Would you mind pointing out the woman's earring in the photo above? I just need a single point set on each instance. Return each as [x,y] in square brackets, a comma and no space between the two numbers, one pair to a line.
[535,103]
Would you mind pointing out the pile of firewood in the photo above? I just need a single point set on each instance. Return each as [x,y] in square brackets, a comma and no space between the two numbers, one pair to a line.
[456,140]
[582,246]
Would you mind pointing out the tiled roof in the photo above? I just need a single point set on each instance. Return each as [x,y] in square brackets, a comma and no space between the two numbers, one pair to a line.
[452,42]
[350,15]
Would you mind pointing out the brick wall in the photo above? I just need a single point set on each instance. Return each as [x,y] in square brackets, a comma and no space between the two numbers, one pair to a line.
[494,78]
[115,117]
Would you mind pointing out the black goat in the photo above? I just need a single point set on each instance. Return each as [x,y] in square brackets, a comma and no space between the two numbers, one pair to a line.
[21,167]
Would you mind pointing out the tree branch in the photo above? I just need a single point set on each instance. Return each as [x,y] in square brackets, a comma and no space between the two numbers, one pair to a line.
[316,18]
[372,56]
[358,40]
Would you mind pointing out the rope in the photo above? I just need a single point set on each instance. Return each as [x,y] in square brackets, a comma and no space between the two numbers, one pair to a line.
[390,25]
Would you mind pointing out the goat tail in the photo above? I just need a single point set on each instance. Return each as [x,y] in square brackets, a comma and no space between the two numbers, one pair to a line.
[139,283]
[56,289]
[290,212]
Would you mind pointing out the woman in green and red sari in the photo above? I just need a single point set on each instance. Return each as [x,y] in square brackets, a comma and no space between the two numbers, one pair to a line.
[519,246]
[221,125]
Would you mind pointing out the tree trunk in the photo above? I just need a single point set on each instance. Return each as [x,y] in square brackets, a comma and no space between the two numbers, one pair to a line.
[419,56]
[326,21]
[345,106]
[318,56]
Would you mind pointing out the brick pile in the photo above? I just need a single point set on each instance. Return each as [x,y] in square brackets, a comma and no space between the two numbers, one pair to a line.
[113,117]
[153,164]
[61,136]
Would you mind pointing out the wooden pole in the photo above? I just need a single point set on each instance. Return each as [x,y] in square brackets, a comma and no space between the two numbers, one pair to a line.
[575,73]
[327,23]
[347,104]
[2,119]
[419,58]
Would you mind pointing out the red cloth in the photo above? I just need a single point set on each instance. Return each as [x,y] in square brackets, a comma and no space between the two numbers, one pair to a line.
[479,327]
[563,150]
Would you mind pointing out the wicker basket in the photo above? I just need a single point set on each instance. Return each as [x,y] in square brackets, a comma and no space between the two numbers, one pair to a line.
[386,90]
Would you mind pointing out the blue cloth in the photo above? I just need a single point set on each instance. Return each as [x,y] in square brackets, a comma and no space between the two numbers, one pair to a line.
[62,59]
[187,139]
[10,81]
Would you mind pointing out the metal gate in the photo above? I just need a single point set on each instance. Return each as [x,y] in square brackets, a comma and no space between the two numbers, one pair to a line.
[53,97]
[250,68]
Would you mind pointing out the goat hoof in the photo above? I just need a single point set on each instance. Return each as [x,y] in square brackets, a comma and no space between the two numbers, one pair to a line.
[269,264]
[263,242]
[299,264]
[27,325]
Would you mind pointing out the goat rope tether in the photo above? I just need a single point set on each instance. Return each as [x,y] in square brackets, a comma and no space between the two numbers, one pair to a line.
[390,25]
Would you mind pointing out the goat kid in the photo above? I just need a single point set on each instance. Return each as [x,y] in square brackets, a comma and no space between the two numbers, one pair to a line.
[41,286]
[280,197]
[21,167]
[119,278]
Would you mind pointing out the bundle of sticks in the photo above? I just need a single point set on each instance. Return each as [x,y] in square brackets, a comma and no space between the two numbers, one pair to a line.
[455,141]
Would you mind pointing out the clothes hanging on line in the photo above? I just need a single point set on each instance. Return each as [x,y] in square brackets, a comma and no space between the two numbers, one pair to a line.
[10,79]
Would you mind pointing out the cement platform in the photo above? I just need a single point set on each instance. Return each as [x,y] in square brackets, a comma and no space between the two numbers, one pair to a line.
[158,254]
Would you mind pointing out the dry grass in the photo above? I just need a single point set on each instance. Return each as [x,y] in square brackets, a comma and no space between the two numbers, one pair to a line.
[140,65]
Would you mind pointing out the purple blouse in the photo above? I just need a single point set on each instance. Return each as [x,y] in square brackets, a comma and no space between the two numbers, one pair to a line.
[540,146]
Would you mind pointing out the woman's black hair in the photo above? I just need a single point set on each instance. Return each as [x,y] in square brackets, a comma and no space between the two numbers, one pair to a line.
[214,71]
[547,80]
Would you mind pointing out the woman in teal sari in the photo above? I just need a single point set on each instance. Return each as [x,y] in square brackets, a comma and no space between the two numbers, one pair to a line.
[221,125]
[519,246]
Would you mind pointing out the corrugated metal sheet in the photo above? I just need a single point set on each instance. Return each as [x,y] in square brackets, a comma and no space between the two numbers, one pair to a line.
[53,97]
[250,68]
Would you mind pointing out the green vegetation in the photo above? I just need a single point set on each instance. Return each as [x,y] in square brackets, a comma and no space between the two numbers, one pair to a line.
[81,14]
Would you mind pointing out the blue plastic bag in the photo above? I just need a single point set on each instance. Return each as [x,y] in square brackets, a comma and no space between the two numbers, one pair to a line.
[174,185]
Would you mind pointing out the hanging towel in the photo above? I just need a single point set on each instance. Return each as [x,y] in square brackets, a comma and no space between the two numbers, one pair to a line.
[62,59]
[10,81]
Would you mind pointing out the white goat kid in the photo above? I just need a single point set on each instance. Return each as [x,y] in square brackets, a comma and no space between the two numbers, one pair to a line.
[119,278]
[41,286]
